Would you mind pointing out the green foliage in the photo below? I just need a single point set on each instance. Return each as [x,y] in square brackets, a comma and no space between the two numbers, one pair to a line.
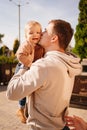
[5,59]
[5,49]
[1,36]
[15,46]
[81,31]
[1,51]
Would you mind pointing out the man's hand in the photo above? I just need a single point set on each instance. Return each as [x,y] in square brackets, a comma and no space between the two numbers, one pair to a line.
[76,123]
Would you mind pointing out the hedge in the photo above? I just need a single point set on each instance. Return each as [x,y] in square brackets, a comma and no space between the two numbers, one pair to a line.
[10,59]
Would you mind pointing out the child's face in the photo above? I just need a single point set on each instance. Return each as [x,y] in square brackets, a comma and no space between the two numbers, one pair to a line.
[33,34]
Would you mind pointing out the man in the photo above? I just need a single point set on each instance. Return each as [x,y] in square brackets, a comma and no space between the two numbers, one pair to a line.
[49,81]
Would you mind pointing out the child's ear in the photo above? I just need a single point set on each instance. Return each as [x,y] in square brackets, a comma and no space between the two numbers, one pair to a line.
[54,38]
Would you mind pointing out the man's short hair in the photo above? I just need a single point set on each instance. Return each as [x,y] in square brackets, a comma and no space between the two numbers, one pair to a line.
[64,32]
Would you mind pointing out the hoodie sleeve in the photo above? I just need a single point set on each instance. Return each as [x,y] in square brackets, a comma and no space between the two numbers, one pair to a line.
[25,82]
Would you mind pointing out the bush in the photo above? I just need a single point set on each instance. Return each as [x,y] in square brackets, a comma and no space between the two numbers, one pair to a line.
[5,59]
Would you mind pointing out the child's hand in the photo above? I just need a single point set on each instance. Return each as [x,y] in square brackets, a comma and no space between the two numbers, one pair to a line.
[30,58]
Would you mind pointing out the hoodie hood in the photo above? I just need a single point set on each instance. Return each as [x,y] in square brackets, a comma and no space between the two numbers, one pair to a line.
[71,61]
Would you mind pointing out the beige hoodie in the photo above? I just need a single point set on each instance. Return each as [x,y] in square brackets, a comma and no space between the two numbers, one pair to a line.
[49,82]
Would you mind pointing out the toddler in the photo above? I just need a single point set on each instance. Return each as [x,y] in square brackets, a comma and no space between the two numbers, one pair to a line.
[27,53]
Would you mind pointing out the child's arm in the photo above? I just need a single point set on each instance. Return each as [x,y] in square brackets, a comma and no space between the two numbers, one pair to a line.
[25,54]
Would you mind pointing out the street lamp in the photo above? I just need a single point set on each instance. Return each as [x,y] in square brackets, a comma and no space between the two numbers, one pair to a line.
[19,4]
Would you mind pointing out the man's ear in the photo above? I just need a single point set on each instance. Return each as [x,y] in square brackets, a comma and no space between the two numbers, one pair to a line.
[54,38]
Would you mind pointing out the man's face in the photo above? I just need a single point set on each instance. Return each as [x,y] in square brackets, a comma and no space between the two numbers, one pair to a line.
[46,36]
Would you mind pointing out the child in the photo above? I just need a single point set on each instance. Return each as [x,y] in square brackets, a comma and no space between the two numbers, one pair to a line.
[27,53]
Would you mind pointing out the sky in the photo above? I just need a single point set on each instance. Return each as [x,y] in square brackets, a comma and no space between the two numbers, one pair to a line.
[40,10]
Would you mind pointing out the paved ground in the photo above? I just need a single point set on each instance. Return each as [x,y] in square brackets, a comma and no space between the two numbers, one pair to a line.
[8,119]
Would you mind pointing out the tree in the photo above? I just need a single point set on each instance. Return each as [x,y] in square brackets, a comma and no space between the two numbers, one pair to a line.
[1,51]
[1,36]
[4,50]
[81,31]
[16,45]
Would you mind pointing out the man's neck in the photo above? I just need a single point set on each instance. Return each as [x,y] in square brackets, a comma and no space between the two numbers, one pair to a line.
[54,48]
